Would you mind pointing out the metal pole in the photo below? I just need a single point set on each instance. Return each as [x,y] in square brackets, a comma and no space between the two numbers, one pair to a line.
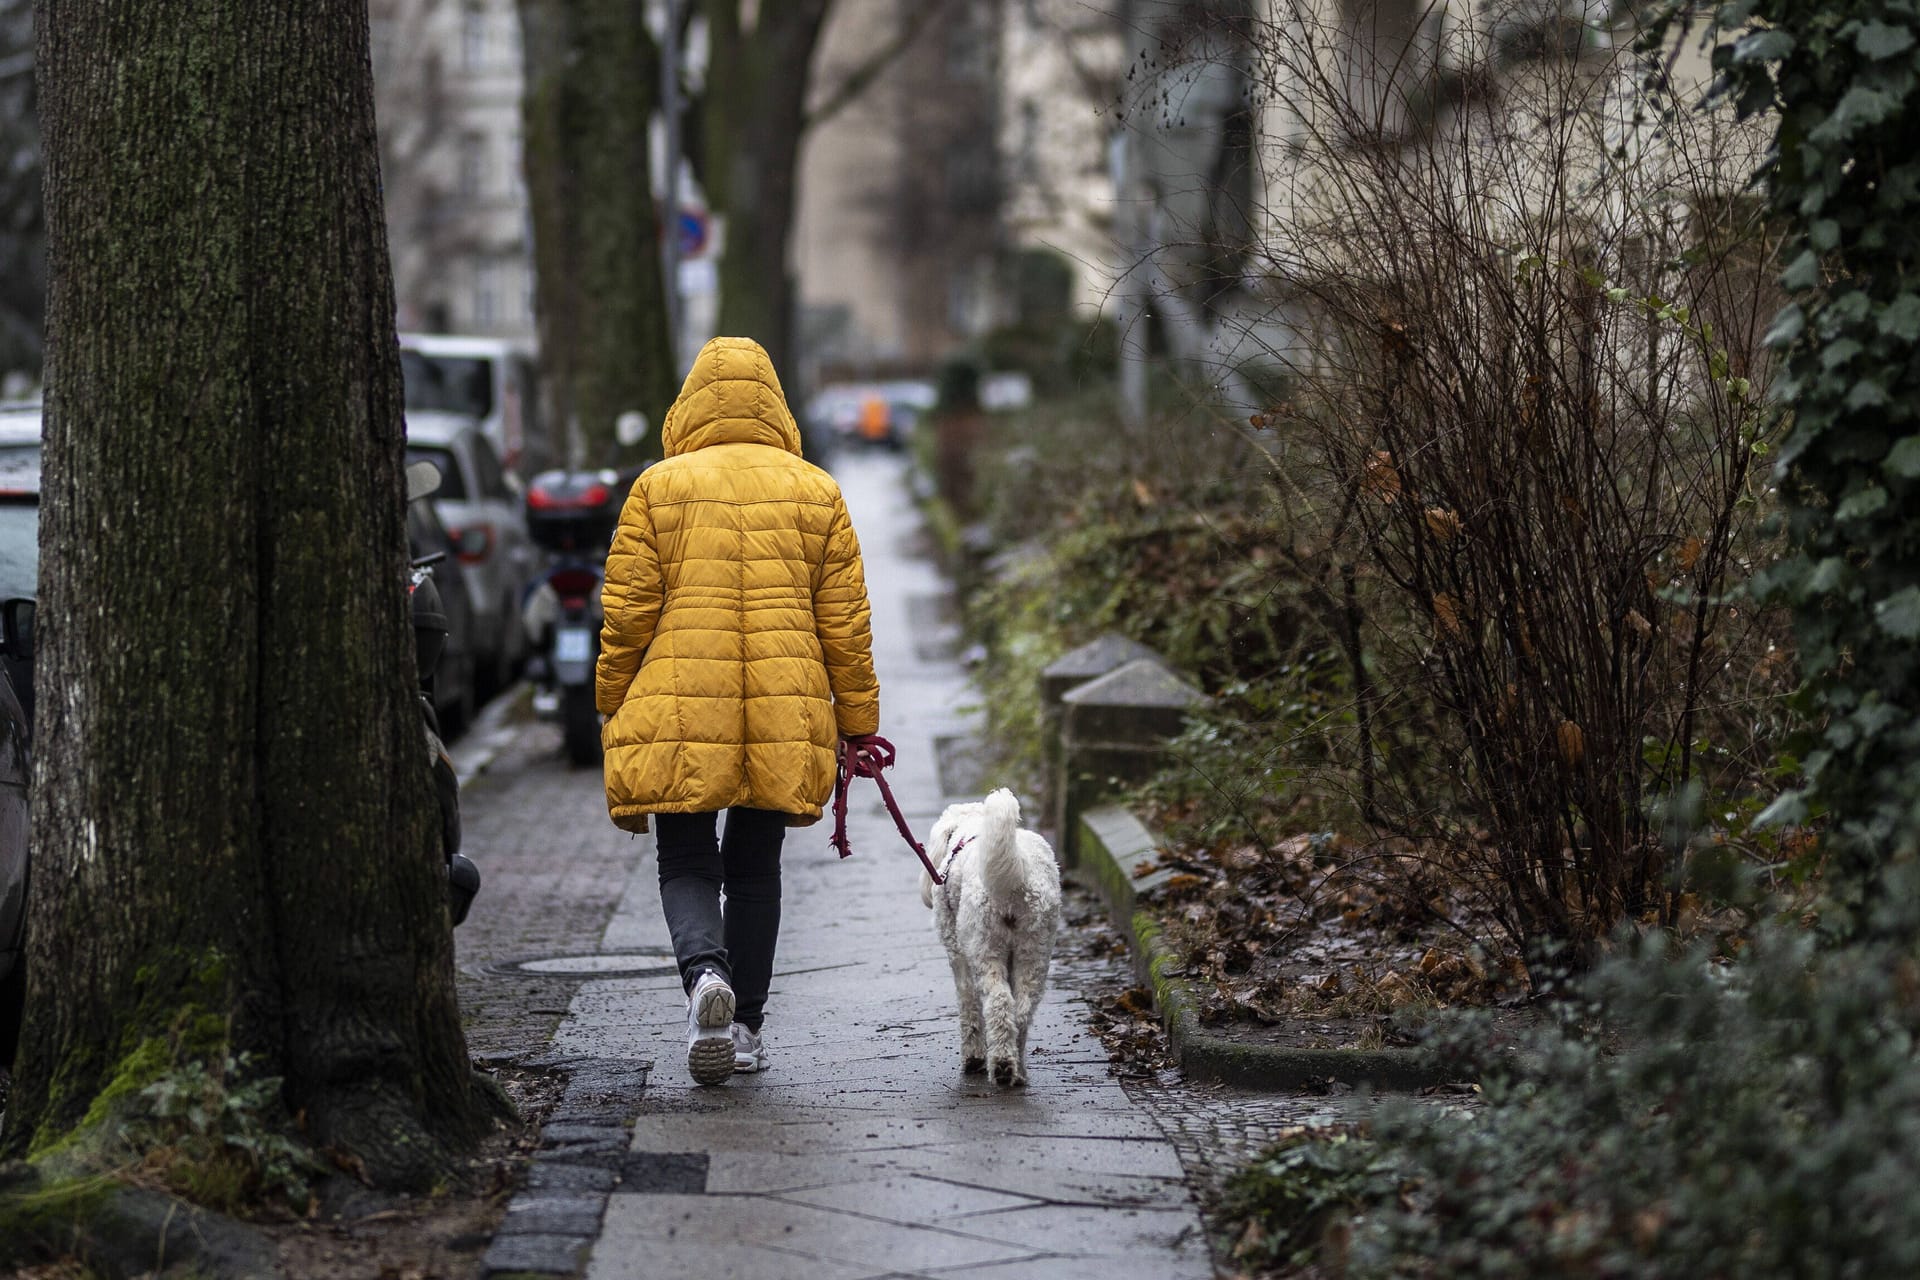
[670,241]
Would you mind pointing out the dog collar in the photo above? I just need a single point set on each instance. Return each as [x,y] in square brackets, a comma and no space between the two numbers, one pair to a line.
[947,864]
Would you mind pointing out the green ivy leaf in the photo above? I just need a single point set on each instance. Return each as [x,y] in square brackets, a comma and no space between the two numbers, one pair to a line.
[1899,614]
[1826,575]
[1786,326]
[1861,504]
[1762,46]
[1901,319]
[1903,459]
[1866,394]
[1802,273]
[1838,353]
[1877,40]
[1859,107]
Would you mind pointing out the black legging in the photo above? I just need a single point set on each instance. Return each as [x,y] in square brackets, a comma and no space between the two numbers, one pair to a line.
[695,866]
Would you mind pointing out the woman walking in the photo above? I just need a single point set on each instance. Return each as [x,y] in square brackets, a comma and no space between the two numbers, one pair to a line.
[737,650]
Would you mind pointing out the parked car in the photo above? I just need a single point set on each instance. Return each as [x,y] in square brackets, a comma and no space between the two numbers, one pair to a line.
[455,696]
[19,528]
[480,504]
[16,771]
[493,380]
[19,570]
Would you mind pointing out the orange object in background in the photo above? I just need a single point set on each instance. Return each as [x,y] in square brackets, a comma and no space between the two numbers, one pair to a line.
[874,418]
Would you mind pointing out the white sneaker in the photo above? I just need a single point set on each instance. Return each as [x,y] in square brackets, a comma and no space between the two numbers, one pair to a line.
[709,1042]
[749,1054]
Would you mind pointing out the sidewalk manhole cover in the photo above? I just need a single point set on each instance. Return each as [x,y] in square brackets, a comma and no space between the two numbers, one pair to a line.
[620,965]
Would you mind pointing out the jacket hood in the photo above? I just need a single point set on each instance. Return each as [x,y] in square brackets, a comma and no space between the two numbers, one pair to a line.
[731,396]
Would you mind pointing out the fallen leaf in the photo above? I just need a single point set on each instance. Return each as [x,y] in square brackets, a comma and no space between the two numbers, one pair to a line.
[1573,743]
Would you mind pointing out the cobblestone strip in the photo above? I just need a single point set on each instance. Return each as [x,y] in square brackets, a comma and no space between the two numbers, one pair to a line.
[554,871]
[553,1220]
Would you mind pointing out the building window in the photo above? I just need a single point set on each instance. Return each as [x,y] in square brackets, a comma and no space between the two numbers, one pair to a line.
[970,177]
[473,164]
[969,57]
[380,33]
[473,38]
[486,296]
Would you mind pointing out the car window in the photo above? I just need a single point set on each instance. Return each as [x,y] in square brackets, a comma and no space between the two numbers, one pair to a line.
[425,535]
[452,484]
[19,548]
[457,384]
[20,469]
[532,429]
[487,466]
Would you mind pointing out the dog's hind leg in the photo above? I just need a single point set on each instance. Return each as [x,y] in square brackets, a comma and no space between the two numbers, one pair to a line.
[1029,983]
[1003,1035]
[973,1041]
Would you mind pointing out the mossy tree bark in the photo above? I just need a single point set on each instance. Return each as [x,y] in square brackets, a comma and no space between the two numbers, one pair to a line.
[592,80]
[234,834]
[753,120]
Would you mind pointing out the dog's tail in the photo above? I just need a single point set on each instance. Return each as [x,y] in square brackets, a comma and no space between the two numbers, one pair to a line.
[926,888]
[999,858]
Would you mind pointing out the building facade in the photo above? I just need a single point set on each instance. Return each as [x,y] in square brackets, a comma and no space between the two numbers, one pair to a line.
[447,77]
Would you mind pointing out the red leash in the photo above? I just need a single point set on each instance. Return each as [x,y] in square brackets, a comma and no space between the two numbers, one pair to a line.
[867,757]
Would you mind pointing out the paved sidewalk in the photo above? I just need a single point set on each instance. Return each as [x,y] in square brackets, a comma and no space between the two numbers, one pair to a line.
[863,1151]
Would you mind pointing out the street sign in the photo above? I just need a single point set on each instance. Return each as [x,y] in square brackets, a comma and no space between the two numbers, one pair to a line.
[696,230]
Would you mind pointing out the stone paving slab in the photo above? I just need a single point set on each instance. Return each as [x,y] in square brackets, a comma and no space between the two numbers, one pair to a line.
[911,1199]
[849,1239]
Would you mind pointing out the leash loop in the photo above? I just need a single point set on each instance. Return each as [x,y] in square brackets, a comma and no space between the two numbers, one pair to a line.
[869,756]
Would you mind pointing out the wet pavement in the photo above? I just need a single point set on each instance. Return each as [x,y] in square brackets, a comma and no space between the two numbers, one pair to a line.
[863,1151]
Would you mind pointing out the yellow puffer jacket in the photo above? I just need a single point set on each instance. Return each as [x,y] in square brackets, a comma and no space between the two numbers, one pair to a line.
[737,645]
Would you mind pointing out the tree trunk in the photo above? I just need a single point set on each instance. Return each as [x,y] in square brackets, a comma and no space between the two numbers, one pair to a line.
[234,836]
[592,78]
[755,108]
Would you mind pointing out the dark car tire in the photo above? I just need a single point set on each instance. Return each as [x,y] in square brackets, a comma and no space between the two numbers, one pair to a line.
[580,726]
[457,712]
[504,666]
[13,1011]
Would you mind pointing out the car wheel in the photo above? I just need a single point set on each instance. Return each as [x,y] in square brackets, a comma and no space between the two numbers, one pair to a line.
[13,1011]
[580,726]
[513,646]
[462,701]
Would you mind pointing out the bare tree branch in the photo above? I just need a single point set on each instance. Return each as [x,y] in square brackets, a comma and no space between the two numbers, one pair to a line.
[861,78]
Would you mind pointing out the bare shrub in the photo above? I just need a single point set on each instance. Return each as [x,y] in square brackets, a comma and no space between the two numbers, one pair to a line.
[1526,301]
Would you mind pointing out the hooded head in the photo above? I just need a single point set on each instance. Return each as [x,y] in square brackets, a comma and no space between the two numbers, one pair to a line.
[731,396]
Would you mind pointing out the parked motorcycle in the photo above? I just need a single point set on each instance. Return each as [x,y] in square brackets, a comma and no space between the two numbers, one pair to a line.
[572,514]
[429,642]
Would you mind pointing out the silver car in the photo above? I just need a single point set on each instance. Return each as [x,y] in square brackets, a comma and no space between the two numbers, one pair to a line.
[480,504]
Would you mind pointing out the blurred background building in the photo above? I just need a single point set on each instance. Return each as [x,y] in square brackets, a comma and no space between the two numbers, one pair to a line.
[968,186]
[447,80]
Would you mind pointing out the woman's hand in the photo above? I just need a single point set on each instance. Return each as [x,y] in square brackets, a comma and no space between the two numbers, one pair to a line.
[865,754]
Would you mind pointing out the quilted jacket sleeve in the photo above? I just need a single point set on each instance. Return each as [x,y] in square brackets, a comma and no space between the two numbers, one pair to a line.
[843,622]
[630,603]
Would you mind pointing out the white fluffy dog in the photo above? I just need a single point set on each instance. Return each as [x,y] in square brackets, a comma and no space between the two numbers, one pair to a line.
[996,914]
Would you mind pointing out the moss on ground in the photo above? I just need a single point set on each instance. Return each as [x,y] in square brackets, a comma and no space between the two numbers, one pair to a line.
[41,1216]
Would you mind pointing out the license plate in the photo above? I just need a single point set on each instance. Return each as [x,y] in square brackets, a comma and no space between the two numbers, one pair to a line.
[573,646]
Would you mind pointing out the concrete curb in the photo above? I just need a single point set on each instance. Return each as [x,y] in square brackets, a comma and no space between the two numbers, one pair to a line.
[491,732]
[1111,842]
